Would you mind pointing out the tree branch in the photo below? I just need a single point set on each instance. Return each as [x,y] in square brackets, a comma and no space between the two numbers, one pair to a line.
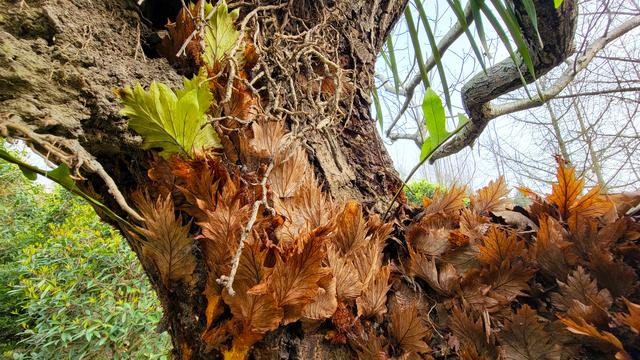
[488,111]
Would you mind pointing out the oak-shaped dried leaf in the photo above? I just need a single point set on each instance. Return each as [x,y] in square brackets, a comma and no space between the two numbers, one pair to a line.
[463,258]
[444,209]
[580,289]
[268,137]
[351,228]
[309,208]
[625,201]
[449,202]
[472,224]
[259,313]
[407,330]
[429,241]
[550,248]
[524,338]
[632,319]
[289,171]
[242,104]
[177,34]
[614,275]
[470,331]
[370,346]
[592,204]
[295,278]
[507,282]
[167,242]
[566,196]
[201,181]
[221,230]
[367,261]
[373,301]
[499,246]
[612,232]
[348,284]
[582,327]
[491,197]
[474,293]
[444,280]
[566,191]
[325,303]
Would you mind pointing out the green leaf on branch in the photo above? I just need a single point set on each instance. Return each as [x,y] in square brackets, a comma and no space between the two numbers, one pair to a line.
[27,170]
[173,122]
[28,174]
[220,34]
[435,121]
[557,3]
[62,176]
[393,64]
[376,102]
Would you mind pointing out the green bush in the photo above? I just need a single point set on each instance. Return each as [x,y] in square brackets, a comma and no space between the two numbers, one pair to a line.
[416,190]
[22,220]
[86,296]
[70,287]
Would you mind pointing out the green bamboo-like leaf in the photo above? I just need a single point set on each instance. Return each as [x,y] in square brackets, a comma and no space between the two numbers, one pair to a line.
[221,34]
[436,53]
[435,121]
[476,6]
[385,57]
[530,8]
[505,40]
[462,19]
[393,64]
[25,168]
[376,102]
[413,33]
[510,20]
[173,123]
[557,3]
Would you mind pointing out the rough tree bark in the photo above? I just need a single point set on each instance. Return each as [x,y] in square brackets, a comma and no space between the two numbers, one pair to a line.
[60,61]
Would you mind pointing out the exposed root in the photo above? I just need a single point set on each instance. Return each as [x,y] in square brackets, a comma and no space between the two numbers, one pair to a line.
[227,281]
[69,152]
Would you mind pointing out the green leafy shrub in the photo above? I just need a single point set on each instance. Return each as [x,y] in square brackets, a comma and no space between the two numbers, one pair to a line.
[69,285]
[85,294]
[416,190]
[23,219]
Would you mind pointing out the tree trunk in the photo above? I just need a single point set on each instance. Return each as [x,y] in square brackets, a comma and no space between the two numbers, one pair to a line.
[61,60]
